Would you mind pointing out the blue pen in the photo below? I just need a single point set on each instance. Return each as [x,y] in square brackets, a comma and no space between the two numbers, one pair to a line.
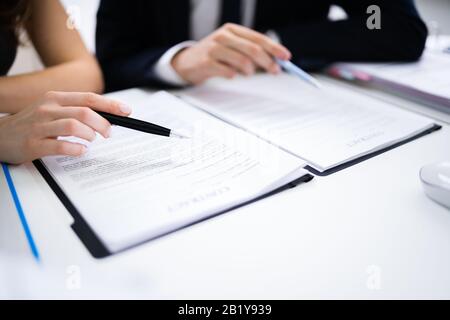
[293,69]
[19,209]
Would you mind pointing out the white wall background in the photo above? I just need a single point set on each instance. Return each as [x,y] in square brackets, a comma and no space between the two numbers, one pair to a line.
[84,13]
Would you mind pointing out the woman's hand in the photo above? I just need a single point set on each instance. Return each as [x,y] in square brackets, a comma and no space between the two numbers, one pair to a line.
[33,132]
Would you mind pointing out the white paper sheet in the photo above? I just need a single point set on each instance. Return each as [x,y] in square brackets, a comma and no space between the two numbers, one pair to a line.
[326,128]
[137,186]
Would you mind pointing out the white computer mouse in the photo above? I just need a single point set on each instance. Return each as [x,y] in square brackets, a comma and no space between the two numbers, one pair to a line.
[436,181]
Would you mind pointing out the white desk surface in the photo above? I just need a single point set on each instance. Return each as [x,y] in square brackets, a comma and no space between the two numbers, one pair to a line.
[332,238]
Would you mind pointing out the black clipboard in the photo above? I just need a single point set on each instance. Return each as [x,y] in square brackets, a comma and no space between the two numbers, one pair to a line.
[98,250]
[94,244]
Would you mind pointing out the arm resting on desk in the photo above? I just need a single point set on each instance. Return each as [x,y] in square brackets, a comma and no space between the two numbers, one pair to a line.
[69,65]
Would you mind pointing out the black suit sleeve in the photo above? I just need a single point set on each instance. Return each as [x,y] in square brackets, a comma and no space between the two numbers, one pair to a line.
[401,38]
[130,38]
[122,47]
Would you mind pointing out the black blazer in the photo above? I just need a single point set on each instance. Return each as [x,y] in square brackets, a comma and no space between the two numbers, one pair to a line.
[132,35]
[8,50]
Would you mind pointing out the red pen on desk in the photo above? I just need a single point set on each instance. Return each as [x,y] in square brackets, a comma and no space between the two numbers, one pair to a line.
[348,74]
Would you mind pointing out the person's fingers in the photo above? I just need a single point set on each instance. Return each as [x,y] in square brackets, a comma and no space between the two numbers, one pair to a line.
[88,99]
[235,59]
[44,111]
[86,116]
[252,50]
[221,70]
[264,41]
[53,147]
[213,69]
[67,128]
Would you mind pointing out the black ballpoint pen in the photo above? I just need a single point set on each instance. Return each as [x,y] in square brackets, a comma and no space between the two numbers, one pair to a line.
[140,125]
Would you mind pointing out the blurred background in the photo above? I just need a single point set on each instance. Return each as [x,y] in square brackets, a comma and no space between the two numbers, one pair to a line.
[436,14]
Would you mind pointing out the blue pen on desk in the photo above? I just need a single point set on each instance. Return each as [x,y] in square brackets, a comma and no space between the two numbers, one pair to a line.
[291,68]
[20,212]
